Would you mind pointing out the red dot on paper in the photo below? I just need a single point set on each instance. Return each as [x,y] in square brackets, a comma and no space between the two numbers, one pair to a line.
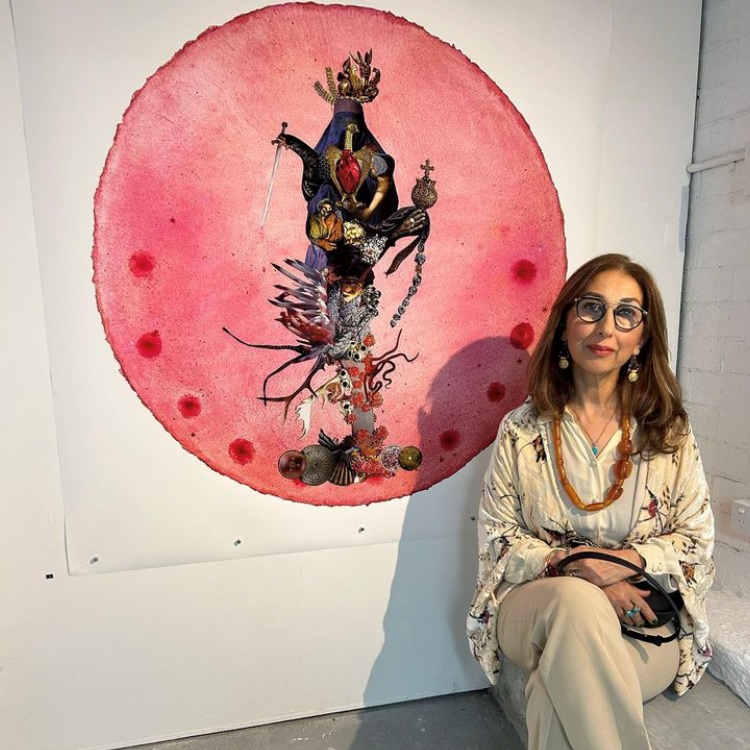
[495,392]
[524,271]
[241,451]
[449,440]
[189,406]
[522,336]
[149,345]
[141,264]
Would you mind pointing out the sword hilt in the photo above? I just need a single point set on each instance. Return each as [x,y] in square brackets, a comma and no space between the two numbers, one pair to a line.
[276,142]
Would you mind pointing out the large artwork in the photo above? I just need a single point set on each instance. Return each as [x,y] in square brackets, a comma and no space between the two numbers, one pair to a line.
[325,244]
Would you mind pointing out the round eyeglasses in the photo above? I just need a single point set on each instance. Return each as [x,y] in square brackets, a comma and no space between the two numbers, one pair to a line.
[592,309]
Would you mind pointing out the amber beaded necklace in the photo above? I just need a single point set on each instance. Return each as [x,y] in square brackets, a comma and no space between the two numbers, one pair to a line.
[623,467]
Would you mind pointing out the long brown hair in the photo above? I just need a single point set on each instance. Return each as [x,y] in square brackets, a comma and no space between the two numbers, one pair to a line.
[655,399]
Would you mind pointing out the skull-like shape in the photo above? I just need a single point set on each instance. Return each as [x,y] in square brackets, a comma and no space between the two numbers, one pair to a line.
[346,408]
[358,352]
[345,379]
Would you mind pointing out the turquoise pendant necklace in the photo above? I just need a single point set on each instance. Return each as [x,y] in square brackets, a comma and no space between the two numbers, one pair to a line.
[594,443]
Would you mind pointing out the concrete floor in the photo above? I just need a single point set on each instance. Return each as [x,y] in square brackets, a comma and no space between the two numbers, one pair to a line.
[709,717]
[464,721]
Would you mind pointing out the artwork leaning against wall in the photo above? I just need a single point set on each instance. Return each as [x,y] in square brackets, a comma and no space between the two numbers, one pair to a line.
[277,277]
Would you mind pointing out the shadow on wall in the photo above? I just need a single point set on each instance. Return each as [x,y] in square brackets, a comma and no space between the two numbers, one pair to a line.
[425,651]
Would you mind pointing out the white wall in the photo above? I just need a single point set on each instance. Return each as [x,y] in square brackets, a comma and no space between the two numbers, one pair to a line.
[122,658]
[714,363]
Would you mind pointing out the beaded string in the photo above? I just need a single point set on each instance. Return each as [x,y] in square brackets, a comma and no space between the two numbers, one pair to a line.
[623,468]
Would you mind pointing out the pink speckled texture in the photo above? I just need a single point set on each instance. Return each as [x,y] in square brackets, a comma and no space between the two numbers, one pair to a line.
[179,251]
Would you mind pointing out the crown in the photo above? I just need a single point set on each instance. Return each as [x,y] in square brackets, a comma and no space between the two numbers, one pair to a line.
[357,80]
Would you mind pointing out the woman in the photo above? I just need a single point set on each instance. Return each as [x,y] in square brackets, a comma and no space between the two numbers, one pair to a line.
[600,455]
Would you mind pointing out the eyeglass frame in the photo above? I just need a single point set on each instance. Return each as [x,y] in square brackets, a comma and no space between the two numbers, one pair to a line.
[607,306]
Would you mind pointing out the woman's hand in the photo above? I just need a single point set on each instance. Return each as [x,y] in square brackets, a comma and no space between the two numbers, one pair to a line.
[629,603]
[600,572]
[556,556]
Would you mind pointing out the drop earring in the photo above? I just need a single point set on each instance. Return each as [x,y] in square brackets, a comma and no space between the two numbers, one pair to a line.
[563,358]
[633,367]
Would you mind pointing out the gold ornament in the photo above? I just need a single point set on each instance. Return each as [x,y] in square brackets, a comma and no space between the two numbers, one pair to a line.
[424,194]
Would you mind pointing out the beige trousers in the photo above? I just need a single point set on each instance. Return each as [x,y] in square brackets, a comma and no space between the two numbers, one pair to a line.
[587,683]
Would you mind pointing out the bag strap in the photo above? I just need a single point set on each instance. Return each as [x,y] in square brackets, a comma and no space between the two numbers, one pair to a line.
[637,569]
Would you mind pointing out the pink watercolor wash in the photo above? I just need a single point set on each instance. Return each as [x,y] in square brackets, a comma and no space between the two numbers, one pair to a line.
[179,252]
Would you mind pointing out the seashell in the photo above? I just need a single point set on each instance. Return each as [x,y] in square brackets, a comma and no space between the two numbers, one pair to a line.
[327,442]
[342,474]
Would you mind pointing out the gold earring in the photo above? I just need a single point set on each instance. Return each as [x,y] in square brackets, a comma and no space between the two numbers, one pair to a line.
[563,358]
[633,367]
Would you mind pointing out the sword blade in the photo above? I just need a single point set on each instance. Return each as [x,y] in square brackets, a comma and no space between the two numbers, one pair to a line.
[274,170]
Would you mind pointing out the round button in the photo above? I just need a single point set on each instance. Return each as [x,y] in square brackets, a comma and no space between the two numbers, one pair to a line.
[292,464]
[319,465]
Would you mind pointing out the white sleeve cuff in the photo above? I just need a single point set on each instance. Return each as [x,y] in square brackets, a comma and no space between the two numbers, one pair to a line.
[528,563]
[657,563]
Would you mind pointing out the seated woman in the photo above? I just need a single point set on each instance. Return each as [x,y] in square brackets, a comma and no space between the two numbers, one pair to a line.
[601,455]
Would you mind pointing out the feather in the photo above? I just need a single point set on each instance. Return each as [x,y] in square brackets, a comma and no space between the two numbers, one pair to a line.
[330,98]
[312,274]
[304,413]
[304,303]
[331,81]
[309,271]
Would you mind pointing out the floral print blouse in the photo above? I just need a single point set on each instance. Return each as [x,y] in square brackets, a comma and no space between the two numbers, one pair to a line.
[522,517]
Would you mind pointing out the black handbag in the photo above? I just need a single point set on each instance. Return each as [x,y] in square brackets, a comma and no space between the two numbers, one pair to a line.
[666,605]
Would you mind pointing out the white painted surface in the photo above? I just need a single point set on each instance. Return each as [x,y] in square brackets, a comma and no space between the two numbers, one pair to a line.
[120,658]
[714,367]
[740,523]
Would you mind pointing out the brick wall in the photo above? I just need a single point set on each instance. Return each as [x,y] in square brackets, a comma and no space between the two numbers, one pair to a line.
[714,352]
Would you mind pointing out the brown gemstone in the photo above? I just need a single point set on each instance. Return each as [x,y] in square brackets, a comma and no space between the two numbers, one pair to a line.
[623,469]
[615,492]
[410,457]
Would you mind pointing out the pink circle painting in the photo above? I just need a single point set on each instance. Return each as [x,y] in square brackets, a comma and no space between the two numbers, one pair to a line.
[333,340]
